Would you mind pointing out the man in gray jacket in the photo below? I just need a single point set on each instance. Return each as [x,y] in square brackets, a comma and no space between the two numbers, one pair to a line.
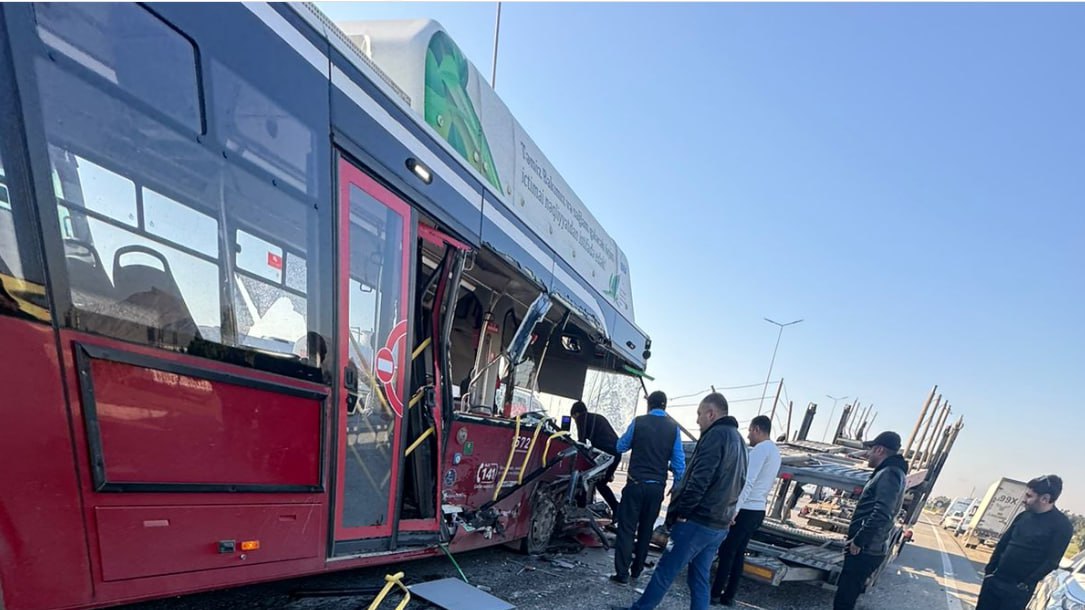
[873,518]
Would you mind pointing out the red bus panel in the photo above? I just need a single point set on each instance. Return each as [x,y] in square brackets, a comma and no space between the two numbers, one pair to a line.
[154,425]
[141,541]
[44,561]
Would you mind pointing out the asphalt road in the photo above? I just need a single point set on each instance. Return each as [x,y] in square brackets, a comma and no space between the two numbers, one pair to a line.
[931,573]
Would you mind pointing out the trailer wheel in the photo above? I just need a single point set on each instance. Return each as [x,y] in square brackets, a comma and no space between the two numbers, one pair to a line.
[544,519]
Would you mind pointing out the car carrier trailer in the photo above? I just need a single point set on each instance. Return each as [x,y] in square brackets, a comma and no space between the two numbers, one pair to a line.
[809,547]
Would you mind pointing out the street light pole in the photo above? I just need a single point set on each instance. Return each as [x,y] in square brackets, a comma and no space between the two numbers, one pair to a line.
[497,37]
[773,361]
[830,420]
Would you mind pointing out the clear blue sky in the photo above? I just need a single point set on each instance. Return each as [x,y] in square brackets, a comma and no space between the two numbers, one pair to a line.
[909,179]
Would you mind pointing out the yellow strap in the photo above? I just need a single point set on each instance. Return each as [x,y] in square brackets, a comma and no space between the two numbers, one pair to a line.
[418,441]
[417,397]
[508,462]
[391,581]
[421,347]
[546,451]
[530,448]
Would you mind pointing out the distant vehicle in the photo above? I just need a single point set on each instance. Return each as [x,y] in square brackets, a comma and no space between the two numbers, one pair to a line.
[969,512]
[952,520]
[1062,589]
[1002,502]
[956,512]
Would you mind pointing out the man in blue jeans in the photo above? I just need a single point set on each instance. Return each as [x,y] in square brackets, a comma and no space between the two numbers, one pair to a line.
[702,506]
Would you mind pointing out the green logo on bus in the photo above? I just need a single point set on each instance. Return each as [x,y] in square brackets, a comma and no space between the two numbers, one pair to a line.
[448,107]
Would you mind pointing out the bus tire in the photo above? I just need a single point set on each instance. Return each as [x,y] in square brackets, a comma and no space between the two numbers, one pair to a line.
[543,522]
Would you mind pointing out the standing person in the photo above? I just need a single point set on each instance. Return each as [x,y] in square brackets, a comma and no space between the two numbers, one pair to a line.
[873,518]
[761,472]
[655,441]
[595,428]
[1030,548]
[702,507]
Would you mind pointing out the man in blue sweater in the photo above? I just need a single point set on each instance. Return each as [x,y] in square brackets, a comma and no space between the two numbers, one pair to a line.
[655,441]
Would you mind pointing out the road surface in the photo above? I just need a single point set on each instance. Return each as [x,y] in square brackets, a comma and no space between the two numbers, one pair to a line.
[931,573]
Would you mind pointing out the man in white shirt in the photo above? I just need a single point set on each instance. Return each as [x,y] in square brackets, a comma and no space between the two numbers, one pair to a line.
[762,467]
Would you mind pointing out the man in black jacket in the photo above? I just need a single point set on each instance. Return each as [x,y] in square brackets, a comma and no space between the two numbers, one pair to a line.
[1030,548]
[873,518]
[595,428]
[702,506]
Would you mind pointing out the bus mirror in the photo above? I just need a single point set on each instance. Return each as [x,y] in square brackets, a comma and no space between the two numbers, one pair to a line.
[522,339]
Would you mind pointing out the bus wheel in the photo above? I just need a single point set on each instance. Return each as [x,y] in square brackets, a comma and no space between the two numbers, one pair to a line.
[544,518]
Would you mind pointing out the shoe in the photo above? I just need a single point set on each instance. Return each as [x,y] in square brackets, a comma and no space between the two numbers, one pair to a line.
[634,574]
[714,601]
[621,580]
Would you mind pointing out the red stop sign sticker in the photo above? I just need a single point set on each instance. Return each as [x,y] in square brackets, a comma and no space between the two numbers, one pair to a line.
[388,365]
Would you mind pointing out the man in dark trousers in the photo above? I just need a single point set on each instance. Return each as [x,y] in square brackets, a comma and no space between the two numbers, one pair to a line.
[655,441]
[873,519]
[595,428]
[763,465]
[1028,550]
[702,506]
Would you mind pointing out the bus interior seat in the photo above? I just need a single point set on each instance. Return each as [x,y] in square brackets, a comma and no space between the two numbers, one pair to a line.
[90,286]
[154,294]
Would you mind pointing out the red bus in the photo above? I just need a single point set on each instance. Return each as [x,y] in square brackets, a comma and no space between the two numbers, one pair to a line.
[261,317]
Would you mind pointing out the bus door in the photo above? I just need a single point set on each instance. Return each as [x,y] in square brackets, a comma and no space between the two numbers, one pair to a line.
[429,409]
[374,315]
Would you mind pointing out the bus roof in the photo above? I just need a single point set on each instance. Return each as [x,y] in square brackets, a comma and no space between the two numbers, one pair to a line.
[514,201]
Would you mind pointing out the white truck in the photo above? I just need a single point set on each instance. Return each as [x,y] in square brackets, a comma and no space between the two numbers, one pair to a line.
[1003,501]
[956,513]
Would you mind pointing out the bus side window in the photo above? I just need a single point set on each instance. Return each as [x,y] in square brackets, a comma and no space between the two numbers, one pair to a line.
[271,315]
[119,87]
[136,259]
[270,228]
[171,239]
[130,48]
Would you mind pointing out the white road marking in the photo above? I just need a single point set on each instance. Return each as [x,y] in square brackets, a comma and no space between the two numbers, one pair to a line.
[947,569]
